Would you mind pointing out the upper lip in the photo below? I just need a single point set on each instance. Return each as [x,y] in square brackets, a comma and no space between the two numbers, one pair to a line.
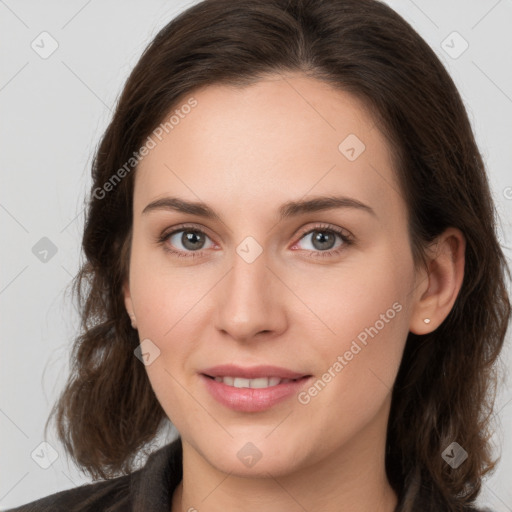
[252,372]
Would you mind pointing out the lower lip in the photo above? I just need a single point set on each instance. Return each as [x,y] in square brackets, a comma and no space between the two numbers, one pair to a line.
[249,399]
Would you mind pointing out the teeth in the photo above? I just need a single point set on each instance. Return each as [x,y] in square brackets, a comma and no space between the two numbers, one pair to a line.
[241,383]
[262,382]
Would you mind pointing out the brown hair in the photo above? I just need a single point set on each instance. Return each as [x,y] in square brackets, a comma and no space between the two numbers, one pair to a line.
[446,383]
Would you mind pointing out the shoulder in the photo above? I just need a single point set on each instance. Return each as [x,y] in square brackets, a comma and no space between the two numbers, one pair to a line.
[95,496]
[148,488]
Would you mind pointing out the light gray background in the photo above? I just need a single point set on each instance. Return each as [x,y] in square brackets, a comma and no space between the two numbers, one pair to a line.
[53,112]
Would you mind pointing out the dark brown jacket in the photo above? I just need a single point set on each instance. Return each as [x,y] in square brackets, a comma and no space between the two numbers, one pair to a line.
[148,489]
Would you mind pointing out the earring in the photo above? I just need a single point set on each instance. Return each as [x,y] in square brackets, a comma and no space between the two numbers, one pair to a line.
[426,320]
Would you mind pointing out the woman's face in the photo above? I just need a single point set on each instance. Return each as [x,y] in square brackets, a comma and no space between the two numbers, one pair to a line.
[263,283]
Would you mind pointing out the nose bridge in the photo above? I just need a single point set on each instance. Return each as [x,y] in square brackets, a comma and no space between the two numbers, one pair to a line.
[250,297]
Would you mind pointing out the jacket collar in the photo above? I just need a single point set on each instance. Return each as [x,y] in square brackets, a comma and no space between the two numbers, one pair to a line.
[152,487]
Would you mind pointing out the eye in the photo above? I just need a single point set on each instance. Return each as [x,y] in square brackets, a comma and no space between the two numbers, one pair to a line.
[188,239]
[322,239]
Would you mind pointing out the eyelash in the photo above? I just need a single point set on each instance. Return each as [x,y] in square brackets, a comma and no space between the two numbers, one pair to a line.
[325,228]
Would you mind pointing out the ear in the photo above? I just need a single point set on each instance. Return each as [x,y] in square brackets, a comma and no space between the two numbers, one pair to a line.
[128,304]
[438,286]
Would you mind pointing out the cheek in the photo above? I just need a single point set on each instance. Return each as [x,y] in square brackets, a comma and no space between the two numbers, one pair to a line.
[166,308]
[162,294]
[364,300]
[165,316]
[168,304]
[362,324]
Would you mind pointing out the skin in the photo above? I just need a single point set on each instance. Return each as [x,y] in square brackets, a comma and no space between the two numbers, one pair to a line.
[245,151]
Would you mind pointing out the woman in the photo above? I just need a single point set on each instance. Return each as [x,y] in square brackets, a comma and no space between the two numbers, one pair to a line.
[291,256]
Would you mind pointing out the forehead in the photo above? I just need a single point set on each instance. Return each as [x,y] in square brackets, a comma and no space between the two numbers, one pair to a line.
[280,138]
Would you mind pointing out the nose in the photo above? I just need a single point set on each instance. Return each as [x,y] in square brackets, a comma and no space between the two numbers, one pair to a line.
[251,300]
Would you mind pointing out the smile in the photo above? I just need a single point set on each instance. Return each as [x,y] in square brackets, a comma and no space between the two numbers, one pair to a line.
[252,395]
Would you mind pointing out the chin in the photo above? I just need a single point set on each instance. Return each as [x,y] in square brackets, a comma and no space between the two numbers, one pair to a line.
[245,458]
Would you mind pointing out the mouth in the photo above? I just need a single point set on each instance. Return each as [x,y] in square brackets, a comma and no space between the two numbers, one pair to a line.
[254,389]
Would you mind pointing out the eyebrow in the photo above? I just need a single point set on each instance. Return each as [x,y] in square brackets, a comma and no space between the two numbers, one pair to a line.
[287,210]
